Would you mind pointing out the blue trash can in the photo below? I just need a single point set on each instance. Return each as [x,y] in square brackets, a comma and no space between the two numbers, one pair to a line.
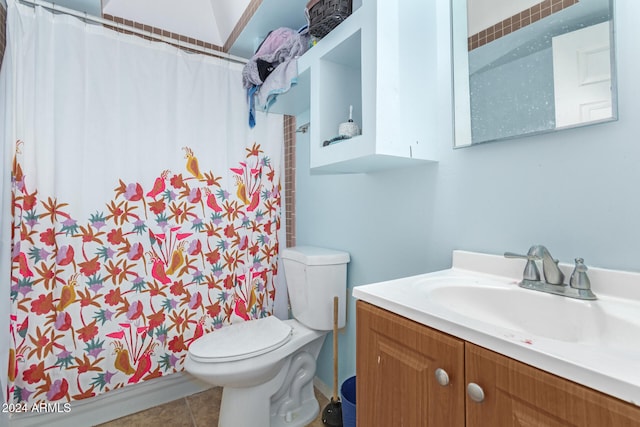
[348,395]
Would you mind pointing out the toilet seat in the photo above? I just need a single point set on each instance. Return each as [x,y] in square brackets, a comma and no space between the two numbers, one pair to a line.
[241,340]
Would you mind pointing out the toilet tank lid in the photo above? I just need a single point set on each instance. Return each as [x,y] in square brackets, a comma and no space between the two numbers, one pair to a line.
[311,255]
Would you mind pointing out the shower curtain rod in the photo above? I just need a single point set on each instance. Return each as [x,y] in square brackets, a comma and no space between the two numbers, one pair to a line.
[99,20]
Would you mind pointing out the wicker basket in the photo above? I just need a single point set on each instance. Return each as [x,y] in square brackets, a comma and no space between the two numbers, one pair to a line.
[325,15]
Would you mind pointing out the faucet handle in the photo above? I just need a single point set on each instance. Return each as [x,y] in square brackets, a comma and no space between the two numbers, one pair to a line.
[579,278]
[531,271]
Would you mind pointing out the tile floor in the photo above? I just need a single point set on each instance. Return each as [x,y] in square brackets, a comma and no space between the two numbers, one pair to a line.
[198,410]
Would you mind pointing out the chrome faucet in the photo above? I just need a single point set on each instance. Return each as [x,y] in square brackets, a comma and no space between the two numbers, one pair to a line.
[552,273]
[579,285]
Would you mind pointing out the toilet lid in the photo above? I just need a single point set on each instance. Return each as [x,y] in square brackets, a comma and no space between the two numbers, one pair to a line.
[241,340]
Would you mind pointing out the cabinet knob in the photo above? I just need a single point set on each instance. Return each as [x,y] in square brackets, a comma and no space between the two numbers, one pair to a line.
[442,377]
[475,392]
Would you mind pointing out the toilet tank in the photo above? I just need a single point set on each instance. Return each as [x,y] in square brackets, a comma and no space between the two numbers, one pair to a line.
[314,276]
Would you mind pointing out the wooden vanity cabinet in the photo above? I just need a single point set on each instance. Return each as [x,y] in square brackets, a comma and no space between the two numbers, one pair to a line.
[397,386]
[396,363]
[517,394]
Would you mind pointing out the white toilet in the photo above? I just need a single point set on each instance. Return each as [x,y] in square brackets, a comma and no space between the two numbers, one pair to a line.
[266,366]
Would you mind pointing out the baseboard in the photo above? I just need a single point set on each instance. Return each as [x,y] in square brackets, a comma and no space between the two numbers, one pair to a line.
[323,388]
[127,400]
[115,404]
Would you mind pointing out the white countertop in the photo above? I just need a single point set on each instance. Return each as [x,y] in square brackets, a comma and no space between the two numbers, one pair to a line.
[604,367]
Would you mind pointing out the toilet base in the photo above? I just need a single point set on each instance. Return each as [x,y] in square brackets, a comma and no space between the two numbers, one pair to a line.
[295,404]
[234,411]
[301,416]
[286,400]
[245,406]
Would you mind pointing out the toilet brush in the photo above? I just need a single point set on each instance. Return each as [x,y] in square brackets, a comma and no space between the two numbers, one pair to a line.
[332,414]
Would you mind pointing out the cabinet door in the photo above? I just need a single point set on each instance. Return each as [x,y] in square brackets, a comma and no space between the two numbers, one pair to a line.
[396,363]
[516,394]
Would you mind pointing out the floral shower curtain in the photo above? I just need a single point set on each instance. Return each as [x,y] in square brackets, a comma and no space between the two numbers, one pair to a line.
[139,211]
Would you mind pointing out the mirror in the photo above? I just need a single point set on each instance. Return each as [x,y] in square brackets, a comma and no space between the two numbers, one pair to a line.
[527,67]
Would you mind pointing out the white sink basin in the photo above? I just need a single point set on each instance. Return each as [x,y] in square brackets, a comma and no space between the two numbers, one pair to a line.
[536,314]
[514,308]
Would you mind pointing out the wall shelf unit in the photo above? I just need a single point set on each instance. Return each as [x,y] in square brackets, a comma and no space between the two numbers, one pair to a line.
[382,61]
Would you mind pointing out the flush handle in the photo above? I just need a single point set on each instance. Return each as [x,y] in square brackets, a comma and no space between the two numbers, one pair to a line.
[442,377]
[475,392]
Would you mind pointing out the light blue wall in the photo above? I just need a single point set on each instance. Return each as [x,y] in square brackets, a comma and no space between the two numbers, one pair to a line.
[576,191]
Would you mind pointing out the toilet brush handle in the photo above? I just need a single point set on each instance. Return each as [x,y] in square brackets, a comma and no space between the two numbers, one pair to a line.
[335,348]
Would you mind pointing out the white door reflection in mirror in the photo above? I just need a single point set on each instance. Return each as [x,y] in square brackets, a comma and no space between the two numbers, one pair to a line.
[582,75]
